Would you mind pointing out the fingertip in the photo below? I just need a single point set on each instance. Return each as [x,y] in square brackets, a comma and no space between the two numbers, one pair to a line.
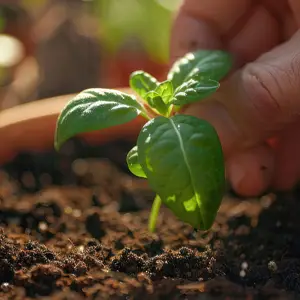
[250,172]
[190,34]
[287,160]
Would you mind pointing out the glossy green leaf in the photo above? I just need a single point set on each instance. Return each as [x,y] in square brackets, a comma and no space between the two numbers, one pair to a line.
[142,83]
[183,161]
[133,163]
[156,102]
[192,91]
[165,90]
[209,64]
[95,109]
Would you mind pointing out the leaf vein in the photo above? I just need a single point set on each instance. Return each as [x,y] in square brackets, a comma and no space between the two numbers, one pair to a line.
[187,165]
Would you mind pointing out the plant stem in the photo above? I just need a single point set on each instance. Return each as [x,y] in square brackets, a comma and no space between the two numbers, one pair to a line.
[154,213]
[170,111]
[148,113]
[145,115]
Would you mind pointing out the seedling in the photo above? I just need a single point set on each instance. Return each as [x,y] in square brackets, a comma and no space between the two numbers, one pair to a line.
[180,155]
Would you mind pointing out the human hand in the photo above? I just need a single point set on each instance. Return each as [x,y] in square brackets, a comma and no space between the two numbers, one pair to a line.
[256,112]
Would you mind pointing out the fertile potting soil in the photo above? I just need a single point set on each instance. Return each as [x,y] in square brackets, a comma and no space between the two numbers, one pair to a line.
[74,225]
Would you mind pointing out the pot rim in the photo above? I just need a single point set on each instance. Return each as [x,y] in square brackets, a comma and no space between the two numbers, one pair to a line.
[30,127]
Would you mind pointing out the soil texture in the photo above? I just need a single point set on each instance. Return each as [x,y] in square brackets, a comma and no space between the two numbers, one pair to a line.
[74,226]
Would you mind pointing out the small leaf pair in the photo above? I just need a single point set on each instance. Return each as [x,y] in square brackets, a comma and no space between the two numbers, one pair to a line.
[156,95]
[180,155]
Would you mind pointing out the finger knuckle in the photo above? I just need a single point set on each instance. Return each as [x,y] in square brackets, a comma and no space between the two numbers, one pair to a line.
[263,91]
[294,72]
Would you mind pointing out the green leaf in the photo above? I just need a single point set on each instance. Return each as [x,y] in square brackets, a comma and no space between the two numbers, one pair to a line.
[133,163]
[95,109]
[142,83]
[192,91]
[156,102]
[208,64]
[165,90]
[183,161]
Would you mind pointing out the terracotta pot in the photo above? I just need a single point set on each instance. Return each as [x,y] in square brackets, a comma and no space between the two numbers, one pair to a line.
[31,127]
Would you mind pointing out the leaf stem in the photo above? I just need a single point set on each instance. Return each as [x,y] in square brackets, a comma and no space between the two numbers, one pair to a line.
[148,112]
[154,213]
[145,115]
[170,111]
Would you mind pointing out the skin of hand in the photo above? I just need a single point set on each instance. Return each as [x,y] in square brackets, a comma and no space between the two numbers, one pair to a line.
[256,111]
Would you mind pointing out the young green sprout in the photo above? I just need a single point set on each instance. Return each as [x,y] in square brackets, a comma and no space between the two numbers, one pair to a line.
[180,155]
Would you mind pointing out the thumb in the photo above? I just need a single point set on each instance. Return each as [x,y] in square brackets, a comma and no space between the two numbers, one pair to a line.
[254,104]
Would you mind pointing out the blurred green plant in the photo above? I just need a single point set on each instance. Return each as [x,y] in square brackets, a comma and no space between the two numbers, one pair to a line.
[148,21]
[2,20]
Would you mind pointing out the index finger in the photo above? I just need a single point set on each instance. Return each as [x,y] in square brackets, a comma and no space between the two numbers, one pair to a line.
[201,24]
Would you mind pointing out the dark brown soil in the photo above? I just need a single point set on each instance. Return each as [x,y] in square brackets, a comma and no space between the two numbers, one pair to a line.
[74,225]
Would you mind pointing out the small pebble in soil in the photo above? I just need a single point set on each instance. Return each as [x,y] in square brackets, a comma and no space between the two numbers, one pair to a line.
[244,265]
[242,273]
[159,265]
[43,226]
[68,210]
[80,167]
[5,287]
[76,213]
[80,249]
[272,266]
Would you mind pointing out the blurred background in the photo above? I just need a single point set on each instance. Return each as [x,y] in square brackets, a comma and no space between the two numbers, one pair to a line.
[57,47]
